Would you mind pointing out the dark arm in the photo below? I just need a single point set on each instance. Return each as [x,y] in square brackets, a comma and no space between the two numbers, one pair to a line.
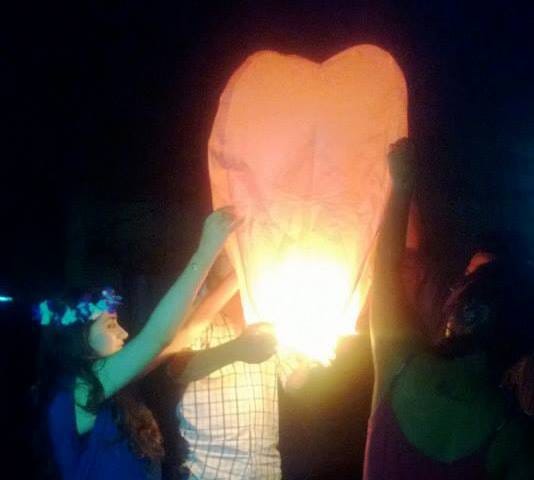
[252,346]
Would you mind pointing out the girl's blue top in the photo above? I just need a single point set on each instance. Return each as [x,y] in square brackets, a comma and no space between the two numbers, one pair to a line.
[101,454]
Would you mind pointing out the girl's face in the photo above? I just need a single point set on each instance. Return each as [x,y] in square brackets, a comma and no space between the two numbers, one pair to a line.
[106,336]
[466,316]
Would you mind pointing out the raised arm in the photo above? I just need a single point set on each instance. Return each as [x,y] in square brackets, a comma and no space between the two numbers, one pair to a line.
[390,334]
[116,371]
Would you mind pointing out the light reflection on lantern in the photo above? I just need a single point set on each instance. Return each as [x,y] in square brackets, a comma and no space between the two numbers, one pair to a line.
[300,149]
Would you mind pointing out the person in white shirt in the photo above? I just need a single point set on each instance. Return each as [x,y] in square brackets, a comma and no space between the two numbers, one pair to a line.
[228,413]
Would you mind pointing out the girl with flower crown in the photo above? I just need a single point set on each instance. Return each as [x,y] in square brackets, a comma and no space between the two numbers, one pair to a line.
[95,431]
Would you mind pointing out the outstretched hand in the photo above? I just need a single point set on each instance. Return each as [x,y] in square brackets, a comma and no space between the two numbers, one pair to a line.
[402,164]
[256,344]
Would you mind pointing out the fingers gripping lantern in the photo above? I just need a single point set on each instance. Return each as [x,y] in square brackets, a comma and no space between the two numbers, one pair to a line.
[300,149]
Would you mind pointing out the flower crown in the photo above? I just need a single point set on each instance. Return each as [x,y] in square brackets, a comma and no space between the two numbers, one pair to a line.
[83,312]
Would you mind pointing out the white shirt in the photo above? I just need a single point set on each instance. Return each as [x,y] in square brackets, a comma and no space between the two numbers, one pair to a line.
[230,418]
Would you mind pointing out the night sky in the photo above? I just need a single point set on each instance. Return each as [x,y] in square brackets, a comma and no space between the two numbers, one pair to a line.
[111,104]
[115,103]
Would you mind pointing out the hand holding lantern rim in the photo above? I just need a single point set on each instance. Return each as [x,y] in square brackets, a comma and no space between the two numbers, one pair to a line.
[256,344]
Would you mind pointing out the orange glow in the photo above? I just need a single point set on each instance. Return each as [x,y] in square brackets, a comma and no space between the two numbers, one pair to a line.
[300,149]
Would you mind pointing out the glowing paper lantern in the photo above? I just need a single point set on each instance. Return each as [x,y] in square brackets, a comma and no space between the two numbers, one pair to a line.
[300,149]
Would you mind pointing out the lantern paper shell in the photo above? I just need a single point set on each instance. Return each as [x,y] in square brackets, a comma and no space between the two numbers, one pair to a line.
[300,149]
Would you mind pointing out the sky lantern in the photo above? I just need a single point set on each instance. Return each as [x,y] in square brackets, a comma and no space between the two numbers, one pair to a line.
[300,149]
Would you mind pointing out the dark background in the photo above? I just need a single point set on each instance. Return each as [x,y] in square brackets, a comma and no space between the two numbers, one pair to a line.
[108,107]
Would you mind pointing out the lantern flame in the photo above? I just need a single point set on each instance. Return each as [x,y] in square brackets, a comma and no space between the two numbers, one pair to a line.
[304,297]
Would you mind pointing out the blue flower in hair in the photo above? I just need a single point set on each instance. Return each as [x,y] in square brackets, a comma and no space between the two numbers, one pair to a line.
[84,311]
[84,308]
[69,317]
[45,314]
[111,300]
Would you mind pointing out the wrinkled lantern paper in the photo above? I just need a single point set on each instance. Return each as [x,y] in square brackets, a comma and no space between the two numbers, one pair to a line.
[300,149]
